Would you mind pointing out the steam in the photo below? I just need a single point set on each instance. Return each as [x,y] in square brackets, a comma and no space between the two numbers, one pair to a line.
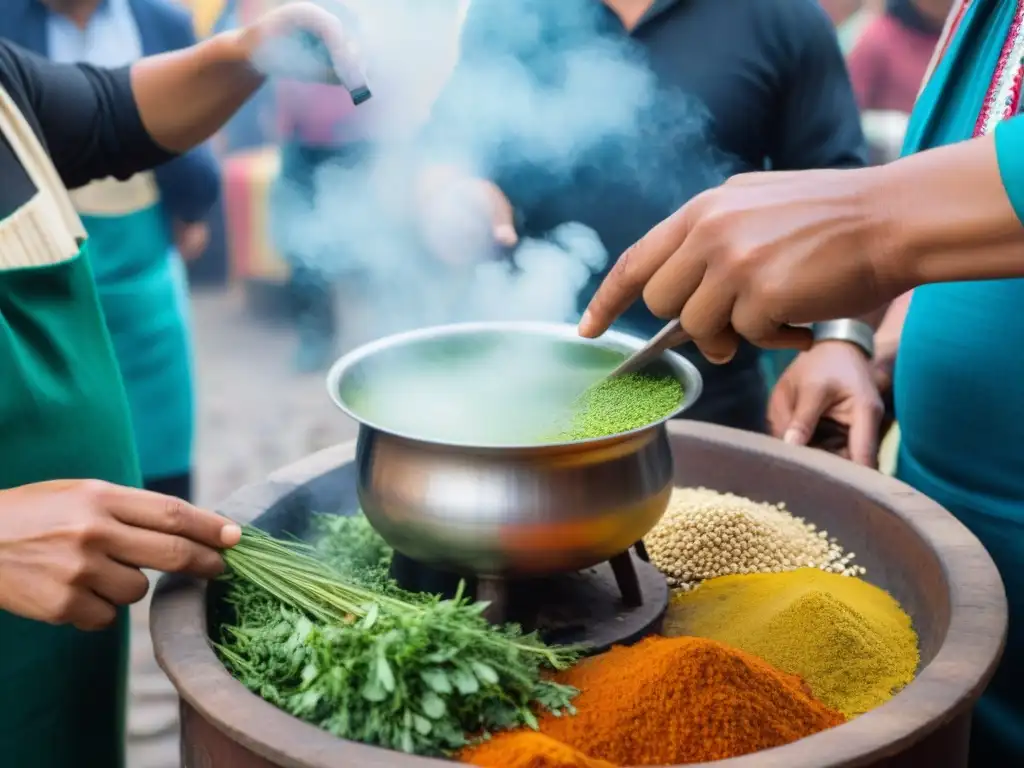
[594,99]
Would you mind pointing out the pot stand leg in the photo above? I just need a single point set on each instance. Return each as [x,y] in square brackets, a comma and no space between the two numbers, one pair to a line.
[626,578]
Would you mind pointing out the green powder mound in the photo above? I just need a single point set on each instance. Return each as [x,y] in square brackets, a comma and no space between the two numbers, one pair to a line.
[622,403]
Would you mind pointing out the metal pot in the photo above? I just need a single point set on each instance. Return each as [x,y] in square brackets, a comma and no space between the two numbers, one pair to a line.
[506,510]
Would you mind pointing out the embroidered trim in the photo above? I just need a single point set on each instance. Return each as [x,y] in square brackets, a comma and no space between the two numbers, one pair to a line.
[950,31]
[1003,96]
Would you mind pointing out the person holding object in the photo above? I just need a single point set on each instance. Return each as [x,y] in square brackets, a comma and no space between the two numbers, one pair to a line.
[765,252]
[735,86]
[75,531]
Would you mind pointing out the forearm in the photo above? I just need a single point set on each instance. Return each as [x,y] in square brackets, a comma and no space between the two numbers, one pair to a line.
[952,214]
[186,96]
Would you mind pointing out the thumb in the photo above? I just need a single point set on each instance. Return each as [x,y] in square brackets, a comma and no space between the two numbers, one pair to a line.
[502,218]
[811,403]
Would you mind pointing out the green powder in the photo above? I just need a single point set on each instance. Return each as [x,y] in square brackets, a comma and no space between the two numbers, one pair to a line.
[623,403]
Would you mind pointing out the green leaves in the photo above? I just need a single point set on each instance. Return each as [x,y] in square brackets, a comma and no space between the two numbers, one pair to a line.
[370,663]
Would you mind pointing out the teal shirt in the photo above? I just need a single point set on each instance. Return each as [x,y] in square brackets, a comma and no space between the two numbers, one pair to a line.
[143,292]
[960,373]
[139,275]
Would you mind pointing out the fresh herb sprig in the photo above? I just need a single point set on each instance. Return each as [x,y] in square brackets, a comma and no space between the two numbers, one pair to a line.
[418,676]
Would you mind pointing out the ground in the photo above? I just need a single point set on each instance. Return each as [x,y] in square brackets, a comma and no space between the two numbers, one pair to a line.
[254,415]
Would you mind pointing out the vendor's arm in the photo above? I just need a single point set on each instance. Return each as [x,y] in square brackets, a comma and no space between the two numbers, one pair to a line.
[97,123]
[758,252]
[189,184]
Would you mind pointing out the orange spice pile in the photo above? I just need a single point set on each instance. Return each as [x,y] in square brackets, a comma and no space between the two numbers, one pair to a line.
[665,701]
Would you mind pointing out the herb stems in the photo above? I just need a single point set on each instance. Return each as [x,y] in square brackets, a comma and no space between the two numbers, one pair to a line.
[411,673]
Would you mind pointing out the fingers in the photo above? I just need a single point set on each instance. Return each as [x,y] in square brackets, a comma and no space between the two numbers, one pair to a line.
[788,337]
[863,440]
[163,552]
[780,407]
[166,514]
[85,611]
[502,218]
[116,583]
[631,273]
[333,29]
[811,403]
[706,318]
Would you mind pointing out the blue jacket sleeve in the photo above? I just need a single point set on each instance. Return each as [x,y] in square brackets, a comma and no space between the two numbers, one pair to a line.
[190,183]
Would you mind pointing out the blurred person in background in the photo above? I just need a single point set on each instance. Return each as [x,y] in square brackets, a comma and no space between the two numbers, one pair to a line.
[850,18]
[318,128]
[141,228]
[890,58]
[769,73]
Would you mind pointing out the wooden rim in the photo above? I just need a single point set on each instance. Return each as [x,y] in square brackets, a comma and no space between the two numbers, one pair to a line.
[944,689]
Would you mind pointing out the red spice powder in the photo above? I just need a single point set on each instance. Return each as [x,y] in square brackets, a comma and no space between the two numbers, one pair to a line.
[671,701]
[528,749]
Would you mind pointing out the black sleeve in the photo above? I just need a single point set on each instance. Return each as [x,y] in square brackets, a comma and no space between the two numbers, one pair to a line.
[86,116]
[819,124]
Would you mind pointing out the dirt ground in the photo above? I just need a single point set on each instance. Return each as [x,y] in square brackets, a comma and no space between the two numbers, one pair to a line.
[254,415]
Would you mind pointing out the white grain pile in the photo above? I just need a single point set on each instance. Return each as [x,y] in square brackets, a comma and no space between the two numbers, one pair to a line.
[705,534]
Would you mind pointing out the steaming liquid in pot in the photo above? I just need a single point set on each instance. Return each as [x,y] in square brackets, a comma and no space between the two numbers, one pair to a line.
[493,390]
[478,392]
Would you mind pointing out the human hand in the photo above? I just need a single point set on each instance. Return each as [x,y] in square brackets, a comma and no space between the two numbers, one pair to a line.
[191,238]
[73,550]
[273,43]
[758,255]
[833,380]
[462,217]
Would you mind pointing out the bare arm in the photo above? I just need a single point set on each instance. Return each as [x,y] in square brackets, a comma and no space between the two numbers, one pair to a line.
[767,240]
[184,97]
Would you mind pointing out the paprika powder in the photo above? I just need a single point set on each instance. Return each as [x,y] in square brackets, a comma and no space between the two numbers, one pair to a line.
[671,701]
[528,749]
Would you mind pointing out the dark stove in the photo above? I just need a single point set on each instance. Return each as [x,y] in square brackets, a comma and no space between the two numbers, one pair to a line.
[613,603]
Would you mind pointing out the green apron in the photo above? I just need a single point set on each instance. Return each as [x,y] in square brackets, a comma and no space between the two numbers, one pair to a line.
[63,414]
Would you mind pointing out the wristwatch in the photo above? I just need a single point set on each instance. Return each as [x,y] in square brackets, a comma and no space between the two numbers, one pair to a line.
[856,332]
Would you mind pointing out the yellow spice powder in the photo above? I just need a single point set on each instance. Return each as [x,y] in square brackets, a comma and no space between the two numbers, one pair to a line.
[850,641]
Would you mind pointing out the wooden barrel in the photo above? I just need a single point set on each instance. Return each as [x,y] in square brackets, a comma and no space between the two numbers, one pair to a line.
[910,545]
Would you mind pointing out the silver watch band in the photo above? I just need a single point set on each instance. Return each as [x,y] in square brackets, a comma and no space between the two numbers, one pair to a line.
[856,332]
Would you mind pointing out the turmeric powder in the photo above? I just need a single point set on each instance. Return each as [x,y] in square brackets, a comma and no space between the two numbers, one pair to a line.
[669,701]
[850,641]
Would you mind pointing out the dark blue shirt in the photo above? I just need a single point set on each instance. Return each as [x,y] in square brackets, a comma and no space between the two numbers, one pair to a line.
[730,86]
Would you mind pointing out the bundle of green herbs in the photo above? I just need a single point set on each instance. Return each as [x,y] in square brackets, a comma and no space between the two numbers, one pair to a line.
[328,637]
[622,403]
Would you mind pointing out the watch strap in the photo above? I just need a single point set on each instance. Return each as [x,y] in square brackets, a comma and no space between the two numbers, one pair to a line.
[856,332]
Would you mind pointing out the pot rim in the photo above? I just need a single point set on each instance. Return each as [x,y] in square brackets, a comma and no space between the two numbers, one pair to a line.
[943,690]
[685,371]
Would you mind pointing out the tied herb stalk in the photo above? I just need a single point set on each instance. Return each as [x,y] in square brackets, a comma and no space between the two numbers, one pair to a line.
[420,675]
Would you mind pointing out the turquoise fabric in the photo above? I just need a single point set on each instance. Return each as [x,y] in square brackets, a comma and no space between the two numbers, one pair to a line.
[143,291]
[1009,137]
[959,373]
